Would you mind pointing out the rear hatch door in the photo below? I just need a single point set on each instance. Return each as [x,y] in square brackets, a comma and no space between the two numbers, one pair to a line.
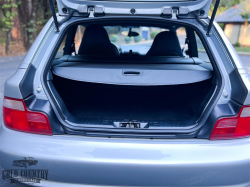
[136,7]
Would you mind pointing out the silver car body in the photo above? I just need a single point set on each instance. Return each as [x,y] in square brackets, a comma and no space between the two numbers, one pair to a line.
[90,161]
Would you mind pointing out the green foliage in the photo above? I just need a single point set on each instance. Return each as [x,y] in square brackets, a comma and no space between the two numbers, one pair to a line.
[153,34]
[242,49]
[2,40]
[237,44]
[138,38]
[221,25]
[236,2]
[43,21]
[244,8]
[9,15]
[113,38]
[227,3]
[31,29]
[127,39]
[245,16]
[224,5]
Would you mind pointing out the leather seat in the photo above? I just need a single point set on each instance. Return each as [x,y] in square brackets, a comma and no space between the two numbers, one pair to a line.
[166,44]
[96,42]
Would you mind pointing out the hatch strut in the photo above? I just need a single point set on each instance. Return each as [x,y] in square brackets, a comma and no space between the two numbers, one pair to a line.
[54,14]
[213,16]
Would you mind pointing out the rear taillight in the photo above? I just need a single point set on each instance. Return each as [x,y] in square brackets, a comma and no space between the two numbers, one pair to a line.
[17,117]
[234,127]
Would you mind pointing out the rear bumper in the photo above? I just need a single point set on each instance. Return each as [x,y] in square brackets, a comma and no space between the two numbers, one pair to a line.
[89,161]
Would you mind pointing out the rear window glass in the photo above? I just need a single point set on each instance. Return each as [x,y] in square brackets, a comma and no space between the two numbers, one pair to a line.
[118,40]
[137,44]
[201,50]
[78,37]
[60,51]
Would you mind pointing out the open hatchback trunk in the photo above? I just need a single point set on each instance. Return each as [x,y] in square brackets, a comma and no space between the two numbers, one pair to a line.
[158,80]
[146,96]
[169,106]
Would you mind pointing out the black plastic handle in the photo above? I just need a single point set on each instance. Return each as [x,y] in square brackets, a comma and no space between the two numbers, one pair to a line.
[131,73]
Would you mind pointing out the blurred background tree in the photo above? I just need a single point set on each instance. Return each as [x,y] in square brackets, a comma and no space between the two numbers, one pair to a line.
[244,8]
[22,20]
[227,3]
[224,5]
[9,13]
[27,11]
[20,23]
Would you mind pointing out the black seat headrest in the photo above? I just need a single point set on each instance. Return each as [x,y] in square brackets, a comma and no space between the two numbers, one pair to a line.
[96,42]
[166,44]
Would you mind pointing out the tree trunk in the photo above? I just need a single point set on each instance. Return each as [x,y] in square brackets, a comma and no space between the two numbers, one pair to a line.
[16,21]
[27,15]
[244,34]
[8,32]
[7,43]
[45,9]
